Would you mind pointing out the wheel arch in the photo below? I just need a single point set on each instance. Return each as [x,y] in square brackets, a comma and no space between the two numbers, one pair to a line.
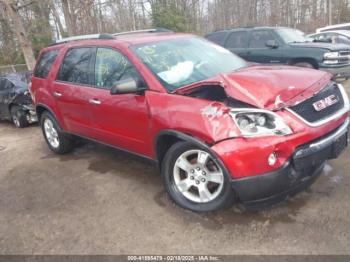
[309,60]
[40,109]
[168,137]
[12,104]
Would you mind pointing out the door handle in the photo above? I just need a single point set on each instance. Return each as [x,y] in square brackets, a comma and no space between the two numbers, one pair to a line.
[57,94]
[94,101]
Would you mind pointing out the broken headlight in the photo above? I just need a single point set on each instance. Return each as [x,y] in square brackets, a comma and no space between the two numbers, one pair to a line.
[260,123]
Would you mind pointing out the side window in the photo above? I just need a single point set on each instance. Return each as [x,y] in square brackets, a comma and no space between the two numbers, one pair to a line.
[259,38]
[325,38]
[330,38]
[75,67]
[45,63]
[5,84]
[237,40]
[315,37]
[343,40]
[111,67]
[218,37]
[2,84]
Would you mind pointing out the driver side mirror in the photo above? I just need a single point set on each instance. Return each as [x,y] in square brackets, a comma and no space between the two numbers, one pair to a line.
[128,86]
[271,44]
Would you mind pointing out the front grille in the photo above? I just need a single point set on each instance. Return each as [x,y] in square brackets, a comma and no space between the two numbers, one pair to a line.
[344,53]
[307,111]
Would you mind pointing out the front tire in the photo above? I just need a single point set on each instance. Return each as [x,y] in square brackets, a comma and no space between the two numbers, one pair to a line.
[18,116]
[195,180]
[57,141]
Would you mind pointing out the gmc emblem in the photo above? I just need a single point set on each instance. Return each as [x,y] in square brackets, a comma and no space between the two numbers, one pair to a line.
[325,102]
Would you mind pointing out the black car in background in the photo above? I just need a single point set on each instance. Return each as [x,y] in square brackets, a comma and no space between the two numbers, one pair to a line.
[15,101]
[282,45]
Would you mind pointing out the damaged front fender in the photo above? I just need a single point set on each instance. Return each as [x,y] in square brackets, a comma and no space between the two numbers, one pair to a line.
[206,120]
[218,120]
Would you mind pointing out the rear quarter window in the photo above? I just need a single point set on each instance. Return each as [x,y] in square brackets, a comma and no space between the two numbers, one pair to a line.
[218,37]
[237,39]
[45,63]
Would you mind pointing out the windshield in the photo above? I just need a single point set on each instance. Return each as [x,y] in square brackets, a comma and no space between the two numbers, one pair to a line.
[293,35]
[184,61]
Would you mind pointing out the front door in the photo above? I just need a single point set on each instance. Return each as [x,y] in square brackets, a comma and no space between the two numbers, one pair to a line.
[123,119]
[258,52]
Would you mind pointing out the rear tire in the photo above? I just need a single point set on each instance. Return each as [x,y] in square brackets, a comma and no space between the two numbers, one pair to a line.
[18,116]
[58,141]
[195,180]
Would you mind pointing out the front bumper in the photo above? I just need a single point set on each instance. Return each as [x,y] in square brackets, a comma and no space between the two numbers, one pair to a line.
[31,113]
[302,169]
[338,71]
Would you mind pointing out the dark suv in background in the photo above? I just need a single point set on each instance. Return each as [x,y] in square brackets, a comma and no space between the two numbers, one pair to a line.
[281,45]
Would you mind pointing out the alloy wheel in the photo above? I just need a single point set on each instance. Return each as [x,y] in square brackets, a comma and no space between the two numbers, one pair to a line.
[16,121]
[197,176]
[51,133]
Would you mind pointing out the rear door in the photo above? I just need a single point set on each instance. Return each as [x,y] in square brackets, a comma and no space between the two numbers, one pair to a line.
[237,42]
[73,87]
[258,51]
[121,120]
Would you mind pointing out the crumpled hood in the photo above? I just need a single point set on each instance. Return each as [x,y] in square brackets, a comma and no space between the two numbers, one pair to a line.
[269,87]
[274,87]
[21,89]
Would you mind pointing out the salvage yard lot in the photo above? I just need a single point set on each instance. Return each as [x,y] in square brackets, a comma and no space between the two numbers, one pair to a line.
[97,200]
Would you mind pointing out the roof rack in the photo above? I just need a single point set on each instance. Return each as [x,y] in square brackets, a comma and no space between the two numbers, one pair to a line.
[151,30]
[107,36]
[83,37]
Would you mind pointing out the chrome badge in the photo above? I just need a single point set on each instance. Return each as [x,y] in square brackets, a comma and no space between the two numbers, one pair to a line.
[325,102]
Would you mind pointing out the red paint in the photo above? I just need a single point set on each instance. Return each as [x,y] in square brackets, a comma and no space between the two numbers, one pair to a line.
[132,121]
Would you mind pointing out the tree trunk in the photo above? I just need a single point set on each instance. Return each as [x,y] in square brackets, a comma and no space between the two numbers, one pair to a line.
[21,34]
[68,18]
[57,18]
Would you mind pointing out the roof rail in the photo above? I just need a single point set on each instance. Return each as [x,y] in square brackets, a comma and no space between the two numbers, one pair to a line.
[83,37]
[151,30]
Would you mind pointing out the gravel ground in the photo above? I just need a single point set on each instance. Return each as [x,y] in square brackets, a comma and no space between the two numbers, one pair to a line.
[97,200]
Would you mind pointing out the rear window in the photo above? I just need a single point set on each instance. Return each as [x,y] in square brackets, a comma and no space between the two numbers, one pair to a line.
[45,63]
[218,37]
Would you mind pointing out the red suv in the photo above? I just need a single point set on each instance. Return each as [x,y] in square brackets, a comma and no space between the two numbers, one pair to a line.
[220,129]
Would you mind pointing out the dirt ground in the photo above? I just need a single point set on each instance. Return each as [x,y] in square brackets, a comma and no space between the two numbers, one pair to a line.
[97,200]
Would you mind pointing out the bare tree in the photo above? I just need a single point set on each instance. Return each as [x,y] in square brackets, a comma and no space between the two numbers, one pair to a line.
[24,42]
